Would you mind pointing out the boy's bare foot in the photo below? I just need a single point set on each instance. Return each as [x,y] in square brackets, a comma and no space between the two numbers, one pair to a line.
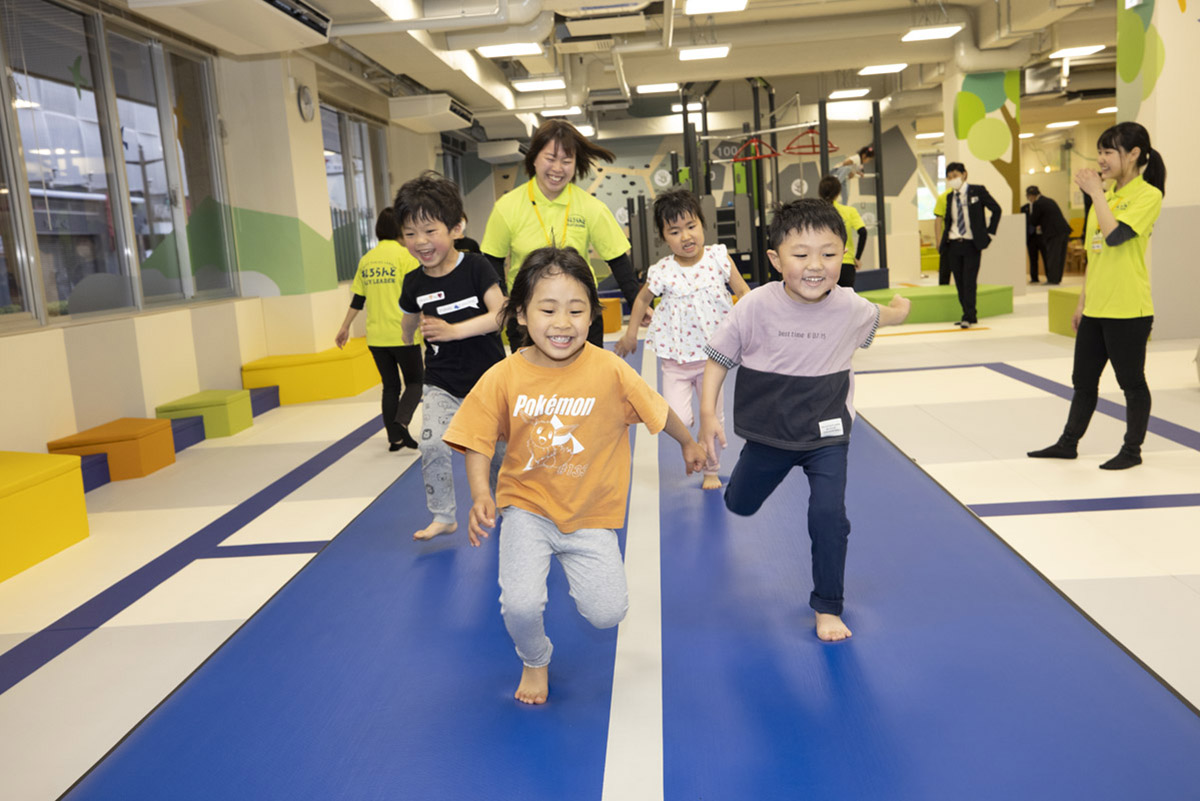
[830,628]
[434,529]
[711,482]
[535,685]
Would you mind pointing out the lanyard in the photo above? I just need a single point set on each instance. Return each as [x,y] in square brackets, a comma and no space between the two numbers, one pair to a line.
[541,222]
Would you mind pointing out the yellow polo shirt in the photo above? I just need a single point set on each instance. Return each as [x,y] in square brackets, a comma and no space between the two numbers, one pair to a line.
[379,278]
[517,227]
[939,205]
[1117,283]
[853,221]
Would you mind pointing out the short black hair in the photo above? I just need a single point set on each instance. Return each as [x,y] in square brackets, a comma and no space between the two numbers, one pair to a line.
[1032,190]
[955,166]
[387,226]
[866,152]
[673,205]
[571,141]
[430,196]
[545,262]
[805,214]
[830,188]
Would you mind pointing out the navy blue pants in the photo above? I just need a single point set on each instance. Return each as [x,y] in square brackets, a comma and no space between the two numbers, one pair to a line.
[761,468]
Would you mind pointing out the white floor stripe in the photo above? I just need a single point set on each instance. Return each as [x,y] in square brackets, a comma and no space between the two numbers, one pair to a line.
[633,766]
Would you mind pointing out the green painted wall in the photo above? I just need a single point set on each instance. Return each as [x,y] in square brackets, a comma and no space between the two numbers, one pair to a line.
[286,250]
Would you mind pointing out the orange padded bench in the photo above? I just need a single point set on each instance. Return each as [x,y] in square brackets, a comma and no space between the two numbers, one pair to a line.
[135,447]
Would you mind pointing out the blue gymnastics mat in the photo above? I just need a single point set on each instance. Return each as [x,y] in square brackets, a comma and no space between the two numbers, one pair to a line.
[968,675]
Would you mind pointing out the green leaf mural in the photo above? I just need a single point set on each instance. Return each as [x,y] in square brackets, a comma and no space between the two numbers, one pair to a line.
[1131,41]
[1152,64]
[1144,12]
[968,110]
[987,86]
[989,139]
[1141,57]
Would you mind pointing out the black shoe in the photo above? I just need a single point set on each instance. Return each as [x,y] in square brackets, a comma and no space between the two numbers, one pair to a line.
[406,440]
[1058,450]
[1126,458]
[394,446]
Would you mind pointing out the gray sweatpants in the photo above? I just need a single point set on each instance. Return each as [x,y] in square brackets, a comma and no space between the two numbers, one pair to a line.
[591,559]
[437,410]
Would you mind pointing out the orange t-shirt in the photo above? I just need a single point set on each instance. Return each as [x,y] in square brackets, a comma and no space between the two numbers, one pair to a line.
[567,429]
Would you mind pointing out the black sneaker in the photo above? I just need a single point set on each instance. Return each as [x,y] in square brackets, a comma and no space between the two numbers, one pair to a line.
[406,440]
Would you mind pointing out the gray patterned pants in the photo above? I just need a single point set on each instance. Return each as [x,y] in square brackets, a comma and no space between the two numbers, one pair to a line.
[437,410]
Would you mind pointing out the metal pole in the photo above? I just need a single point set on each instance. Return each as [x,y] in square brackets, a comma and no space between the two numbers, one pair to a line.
[760,221]
[880,208]
[643,233]
[774,144]
[823,132]
[706,158]
[674,168]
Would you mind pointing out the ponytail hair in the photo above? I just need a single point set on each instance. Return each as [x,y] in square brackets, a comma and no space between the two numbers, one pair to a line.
[1126,136]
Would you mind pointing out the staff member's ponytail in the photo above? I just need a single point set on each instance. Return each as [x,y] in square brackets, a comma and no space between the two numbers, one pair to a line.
[1128,135]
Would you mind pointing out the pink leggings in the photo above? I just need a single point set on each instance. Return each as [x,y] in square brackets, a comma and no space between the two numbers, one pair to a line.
[682,381]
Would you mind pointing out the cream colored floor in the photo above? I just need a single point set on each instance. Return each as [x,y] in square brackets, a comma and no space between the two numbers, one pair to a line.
[1137,573]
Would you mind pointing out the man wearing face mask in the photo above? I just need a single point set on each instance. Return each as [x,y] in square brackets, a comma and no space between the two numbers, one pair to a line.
[965,234]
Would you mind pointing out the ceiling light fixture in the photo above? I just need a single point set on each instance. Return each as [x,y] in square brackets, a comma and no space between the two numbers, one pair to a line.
[678,107]
[1067,124]
[937,135]
[924,33]
[510,50]
[846,94]
[701,52]
[1076,52]
[1108,110]
[586,130]
[657,88]
[882,69]
[561,112]
[19,103]
[1025,136]
[544,83]
[713,6]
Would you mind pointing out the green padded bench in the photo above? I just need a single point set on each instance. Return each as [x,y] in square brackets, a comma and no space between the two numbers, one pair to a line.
[42,510]
[225,411]
[1060,308]
[939,304]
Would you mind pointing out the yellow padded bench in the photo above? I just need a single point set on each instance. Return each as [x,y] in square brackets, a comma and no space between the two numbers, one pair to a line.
[225,411]
[1061,303]
[135,447]
[612,314]
[304,377]
[41,508]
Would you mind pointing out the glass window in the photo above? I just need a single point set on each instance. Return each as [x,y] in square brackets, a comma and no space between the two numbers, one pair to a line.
[356,172]
[12,289]
[206,214]
[52,53]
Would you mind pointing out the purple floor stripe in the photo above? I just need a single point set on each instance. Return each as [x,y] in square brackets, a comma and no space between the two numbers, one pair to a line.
[1085,505]
[265,549]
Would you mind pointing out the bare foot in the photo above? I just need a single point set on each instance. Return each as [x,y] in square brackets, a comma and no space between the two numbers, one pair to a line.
[711,482]
[830,628]
[534,686]
[434,529]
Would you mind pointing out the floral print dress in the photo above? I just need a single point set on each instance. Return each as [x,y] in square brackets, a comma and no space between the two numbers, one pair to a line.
[693,302]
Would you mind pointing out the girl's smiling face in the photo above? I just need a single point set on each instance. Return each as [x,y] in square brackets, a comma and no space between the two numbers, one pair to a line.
[557,318]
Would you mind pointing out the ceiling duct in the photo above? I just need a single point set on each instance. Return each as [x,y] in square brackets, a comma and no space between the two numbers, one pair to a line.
[607,100]
[575,45]
[429,113]
[450,15]
[242,27]
[595,26]
[504,151]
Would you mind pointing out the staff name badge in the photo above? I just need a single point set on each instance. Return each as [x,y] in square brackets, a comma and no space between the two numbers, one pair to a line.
[831,428]
[432,297]
[465,303]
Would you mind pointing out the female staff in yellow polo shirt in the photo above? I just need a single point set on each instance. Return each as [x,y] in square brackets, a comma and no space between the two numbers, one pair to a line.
[1113,319]
[549,210]
[829,189]
[377,284]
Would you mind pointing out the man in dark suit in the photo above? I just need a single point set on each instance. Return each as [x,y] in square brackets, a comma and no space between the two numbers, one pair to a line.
[1033,244]
[965,234]
[1052,229]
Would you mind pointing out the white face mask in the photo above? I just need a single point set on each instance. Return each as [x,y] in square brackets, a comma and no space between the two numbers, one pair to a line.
[955,183]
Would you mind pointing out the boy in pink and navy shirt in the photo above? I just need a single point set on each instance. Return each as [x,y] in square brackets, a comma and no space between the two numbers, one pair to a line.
[793,341]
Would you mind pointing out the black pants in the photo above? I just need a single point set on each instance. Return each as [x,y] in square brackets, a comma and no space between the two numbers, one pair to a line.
[846,278]
[1122,342]
[1033,246]
[1054,256]
[962,258]
[392,362]
[760,469]
[516,334]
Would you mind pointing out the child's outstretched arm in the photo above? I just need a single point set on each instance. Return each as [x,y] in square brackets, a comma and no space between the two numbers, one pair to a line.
[895,312]
[693,454]
[408,327]
[628,343]
[710,425]
[483,508]
[435,329]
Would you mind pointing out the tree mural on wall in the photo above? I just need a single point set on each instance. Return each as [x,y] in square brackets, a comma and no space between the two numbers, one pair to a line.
[983,117]
[1140,57]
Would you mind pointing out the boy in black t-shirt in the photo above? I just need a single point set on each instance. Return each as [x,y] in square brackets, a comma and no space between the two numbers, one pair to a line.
[455,299]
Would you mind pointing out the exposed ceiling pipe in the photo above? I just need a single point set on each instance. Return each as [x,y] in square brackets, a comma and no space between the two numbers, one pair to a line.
[537,30]
[501,13]
[969,58]
[668,23]
[911,98]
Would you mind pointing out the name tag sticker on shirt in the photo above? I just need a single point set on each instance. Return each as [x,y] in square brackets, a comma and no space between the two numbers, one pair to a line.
[974,199]
[465,303]
[1097,242]
[430,298]
[831,428]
